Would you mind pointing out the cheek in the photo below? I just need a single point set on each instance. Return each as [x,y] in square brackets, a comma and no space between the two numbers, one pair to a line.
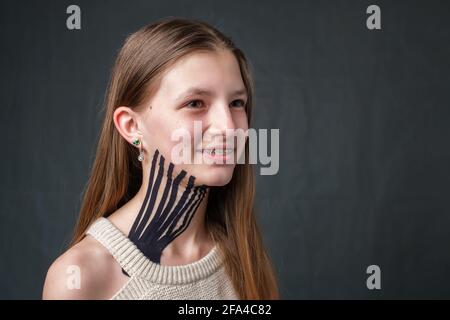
[160,131]
[240,120]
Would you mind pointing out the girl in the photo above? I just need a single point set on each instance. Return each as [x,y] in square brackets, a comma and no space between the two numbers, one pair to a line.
[152,229]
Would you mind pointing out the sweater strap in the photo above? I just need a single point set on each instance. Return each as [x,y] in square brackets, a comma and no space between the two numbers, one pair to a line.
[124,251]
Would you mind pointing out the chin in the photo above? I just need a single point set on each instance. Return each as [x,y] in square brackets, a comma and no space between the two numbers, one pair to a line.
[215,175]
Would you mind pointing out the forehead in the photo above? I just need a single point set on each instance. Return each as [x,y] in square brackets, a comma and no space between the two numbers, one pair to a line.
[203,69]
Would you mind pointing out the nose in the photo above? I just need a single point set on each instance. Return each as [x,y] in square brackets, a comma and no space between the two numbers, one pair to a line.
[220,119]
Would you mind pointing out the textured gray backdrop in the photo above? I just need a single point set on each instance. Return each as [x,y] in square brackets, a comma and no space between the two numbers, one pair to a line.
[364,127]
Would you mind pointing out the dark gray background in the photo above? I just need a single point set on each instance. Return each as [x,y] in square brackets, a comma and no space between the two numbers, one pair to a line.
[364,127]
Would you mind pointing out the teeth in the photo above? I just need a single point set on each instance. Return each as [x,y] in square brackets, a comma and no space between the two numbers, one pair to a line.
[218,151]
[222,152]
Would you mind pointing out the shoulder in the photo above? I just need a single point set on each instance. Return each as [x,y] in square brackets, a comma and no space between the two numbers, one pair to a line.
[84,271]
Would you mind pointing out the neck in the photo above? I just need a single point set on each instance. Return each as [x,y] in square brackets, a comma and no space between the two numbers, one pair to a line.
[166,197]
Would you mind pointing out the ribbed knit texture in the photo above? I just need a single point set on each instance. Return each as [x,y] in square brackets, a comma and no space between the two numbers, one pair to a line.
[202,279]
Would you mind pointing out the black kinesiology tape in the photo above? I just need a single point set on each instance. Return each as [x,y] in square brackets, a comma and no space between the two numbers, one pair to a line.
[163,217]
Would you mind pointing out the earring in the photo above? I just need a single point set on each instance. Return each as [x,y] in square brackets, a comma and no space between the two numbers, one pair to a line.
[136,142]
[141,156]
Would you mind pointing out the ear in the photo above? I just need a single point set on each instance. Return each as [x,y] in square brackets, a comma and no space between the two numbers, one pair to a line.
[127,123]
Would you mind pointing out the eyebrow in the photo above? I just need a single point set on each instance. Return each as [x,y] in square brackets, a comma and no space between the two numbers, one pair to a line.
[205,92]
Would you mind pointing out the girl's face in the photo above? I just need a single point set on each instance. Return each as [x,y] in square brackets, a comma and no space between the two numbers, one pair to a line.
[202,86]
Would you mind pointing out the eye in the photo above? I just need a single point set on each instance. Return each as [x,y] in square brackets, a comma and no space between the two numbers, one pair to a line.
[241,103]
[194,104]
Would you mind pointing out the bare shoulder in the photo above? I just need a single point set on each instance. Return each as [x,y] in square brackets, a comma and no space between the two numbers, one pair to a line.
[85,271]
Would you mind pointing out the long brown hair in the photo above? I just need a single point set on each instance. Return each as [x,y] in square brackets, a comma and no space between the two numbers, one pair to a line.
[116,176]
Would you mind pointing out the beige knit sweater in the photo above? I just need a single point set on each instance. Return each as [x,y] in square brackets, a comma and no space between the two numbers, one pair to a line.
[202,279]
